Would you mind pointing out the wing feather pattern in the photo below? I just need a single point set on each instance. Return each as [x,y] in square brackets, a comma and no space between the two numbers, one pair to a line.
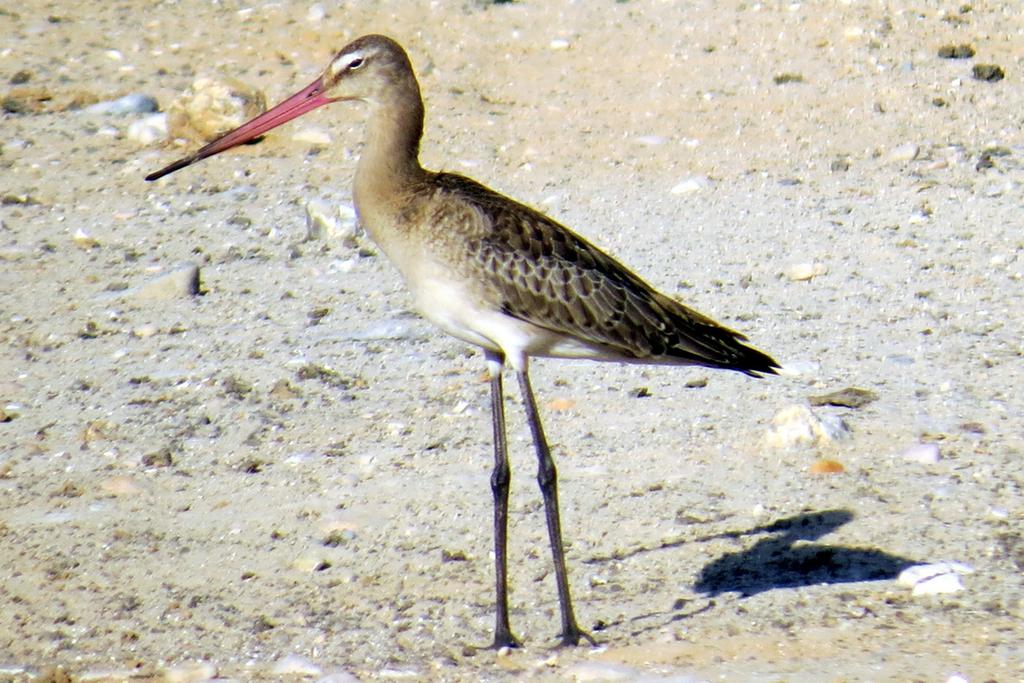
[549,276]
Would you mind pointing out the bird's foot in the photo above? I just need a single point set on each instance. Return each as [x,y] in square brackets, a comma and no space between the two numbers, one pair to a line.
[503,638]
[571,637]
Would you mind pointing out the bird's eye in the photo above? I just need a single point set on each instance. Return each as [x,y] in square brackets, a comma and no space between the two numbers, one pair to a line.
[355,63]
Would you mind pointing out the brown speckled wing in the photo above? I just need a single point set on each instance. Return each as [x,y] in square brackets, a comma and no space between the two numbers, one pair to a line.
[551,277]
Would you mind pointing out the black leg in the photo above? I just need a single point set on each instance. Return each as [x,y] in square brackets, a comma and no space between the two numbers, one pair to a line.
[548,480]
[500,480]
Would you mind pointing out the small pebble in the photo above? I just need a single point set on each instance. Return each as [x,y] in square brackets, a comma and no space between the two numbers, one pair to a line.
[826,467]
[692,184]
[850,397]
[316,13]
[784,78]
[559,44]
[295,665]
[326,223]
[120,486]
[988,72]
[908,151]
[190,673]
[312,135]
[307,564]
[839,165]
[802,272]
[84,240]
[561,404]
[145,331]
[122,106]
[923,453]
[148,129]
[183,281]
[962,51]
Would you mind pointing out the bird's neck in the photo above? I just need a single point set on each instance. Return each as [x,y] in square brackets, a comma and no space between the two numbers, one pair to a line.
[390,158]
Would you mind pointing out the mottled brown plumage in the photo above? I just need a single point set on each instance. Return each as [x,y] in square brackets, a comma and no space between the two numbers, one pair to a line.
[495,273]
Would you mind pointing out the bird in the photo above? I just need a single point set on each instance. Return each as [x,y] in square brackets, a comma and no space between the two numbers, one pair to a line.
[497,274]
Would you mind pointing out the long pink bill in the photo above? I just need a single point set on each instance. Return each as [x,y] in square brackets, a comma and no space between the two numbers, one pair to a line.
[306,100]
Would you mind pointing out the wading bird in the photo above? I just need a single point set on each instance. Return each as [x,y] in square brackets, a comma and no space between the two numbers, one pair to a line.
[496,274]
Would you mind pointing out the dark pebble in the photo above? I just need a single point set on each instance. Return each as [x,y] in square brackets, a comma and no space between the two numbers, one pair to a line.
[963,51]
[160,458]
[988,72]
[839,165]
[782,79]
[851,397]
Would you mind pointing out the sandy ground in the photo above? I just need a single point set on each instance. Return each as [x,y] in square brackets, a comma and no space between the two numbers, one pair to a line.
[287,476]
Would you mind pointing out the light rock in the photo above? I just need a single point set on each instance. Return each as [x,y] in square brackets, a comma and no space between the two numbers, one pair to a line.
[120,486]
[148,129]
[212,107]
[307,564]
[798,425]
[924,453]
[190,673]
[84,240]
[691,185]
[322,222]
[181,282]
[145,331]
[296,665]
[801,272]
[122,106]
[312,135]
[316,13]
[908,151]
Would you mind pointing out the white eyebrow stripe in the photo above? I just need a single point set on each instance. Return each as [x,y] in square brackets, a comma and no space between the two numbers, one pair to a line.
[350,59]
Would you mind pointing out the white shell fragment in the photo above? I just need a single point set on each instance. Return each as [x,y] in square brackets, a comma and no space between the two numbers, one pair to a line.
[798,425]
[933,579]
[691,185]
[327,223]
[802,272]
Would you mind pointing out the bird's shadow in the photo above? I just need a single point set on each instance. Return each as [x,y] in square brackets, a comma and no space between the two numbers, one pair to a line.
[789,557]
